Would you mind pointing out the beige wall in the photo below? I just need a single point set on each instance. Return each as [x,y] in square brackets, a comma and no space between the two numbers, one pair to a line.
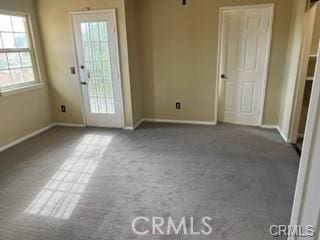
[179,57]
[24,113]
[311,69]
[172,51]
[60,55]
[310,72]
[135,67]
[316,32]
[292,65]
[171,57]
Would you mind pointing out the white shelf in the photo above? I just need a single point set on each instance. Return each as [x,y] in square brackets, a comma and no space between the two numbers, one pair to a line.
[309,78]
[313,56]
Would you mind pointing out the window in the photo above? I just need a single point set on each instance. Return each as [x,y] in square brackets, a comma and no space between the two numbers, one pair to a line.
[17,61]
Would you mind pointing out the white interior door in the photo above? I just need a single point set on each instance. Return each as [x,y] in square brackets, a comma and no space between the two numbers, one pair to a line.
[95,37]
[244,49]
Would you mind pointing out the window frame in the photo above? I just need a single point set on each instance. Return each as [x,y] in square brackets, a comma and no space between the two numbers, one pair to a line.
[21,87]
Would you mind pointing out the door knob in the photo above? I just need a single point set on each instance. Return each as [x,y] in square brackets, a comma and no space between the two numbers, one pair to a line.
[223,76]
[83,83]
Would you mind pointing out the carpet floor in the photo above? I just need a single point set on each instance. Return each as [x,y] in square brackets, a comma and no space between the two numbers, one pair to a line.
[91,183]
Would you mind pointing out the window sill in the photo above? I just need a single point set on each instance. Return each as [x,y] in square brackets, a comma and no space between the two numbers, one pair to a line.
[5,93]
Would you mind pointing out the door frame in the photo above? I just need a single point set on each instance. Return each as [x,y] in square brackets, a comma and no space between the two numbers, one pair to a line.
[113,12]
[306,178]
[270,6]
[302,68]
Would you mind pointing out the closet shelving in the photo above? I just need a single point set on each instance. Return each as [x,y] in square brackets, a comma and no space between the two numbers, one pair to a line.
[307,93]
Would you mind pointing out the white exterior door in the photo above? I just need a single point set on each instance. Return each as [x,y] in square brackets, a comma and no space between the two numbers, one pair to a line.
[244,49]
[95,37]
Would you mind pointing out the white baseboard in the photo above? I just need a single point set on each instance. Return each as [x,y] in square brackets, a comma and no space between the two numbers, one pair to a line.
[38,132]
[135,126]
[129,128]
[179,121]
[282,135]
[276,127]
[61,124]
[26,137]
[138,123]
[269,126]
[159,120]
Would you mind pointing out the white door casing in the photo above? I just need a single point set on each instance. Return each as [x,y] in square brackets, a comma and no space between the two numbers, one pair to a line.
[97,57]
[306,204]
[244,52]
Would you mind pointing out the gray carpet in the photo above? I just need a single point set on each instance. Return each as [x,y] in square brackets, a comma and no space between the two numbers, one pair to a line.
[72,183]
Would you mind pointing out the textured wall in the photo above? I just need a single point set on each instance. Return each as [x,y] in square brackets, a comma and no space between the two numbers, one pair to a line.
[57,37]
[179,57]
[25,112]
[292,64]
[135,67]
[316,32]
[172,53]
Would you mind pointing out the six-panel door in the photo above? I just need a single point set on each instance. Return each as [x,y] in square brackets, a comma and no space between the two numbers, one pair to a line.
[244,39]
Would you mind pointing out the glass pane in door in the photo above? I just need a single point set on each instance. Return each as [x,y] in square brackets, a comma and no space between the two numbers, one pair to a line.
[96,54]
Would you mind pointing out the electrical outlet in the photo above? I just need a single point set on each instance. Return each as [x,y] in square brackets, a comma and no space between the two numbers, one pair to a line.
[63,108]
[73,70]
[178,105]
